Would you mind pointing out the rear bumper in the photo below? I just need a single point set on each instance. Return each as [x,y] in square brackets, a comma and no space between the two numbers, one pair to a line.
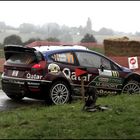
[26,87]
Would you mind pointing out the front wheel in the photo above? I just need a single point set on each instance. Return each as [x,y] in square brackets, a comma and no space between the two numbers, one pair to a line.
[131,87]
[59,93]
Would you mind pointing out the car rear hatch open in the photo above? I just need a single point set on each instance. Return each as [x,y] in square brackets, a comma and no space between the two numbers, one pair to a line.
[23,62]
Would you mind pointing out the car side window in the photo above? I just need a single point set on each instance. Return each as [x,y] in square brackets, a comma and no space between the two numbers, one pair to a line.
[67,57]
[88,59]
[92,60]
[105,63]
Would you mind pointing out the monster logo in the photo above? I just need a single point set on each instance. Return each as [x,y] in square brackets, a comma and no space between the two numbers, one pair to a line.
[53,68]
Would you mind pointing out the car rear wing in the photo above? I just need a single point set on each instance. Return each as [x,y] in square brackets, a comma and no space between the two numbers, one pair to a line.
[12,49]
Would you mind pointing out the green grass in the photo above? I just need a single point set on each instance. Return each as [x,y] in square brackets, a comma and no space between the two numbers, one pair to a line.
[100,50]
[1,53]
[69,122]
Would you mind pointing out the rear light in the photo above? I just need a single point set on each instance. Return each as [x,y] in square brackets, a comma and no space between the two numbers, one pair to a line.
[5,70]
[36,66]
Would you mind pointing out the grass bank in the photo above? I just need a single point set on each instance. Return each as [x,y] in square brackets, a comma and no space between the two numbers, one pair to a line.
[69,122]
[100,50]
[1,53]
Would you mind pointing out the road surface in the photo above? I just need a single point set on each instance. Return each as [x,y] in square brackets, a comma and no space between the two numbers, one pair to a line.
[7,104]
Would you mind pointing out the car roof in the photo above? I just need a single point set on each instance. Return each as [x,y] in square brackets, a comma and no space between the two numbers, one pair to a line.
[61,47]
[46,53]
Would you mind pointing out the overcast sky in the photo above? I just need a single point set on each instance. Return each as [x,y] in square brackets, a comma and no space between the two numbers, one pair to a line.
[117,15]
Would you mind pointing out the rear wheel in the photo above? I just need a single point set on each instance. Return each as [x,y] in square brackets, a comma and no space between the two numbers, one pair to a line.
[131,87]
[59,93]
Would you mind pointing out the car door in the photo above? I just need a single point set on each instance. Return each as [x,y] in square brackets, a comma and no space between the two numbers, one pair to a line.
[101,72]
[67,63]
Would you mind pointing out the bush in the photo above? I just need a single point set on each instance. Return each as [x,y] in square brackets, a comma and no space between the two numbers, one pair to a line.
[12,39]
[88,38]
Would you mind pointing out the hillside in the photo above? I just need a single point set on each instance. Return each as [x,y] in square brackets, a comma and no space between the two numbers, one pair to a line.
[76,38]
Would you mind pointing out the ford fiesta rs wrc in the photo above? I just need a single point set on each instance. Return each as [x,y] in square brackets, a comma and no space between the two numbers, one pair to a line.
[48,73]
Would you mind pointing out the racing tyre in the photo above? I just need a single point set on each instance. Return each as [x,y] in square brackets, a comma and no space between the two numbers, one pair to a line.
[131,87]
[59,93]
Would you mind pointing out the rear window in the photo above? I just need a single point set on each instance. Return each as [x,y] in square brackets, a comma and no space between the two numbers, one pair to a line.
[26,58]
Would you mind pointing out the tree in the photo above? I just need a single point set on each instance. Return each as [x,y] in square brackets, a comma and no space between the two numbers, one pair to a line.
[31,40]
[88,38]
[12,39]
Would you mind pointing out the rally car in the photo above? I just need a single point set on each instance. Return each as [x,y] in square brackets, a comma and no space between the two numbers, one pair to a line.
[49,74]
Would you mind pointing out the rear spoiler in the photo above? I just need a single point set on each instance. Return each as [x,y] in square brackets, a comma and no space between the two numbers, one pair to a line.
[10,49]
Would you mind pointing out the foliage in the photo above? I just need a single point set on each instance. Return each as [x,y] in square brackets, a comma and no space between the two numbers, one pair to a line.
[13,39]
[100,50]
[1,53]
[31,40]
[70,122]
[88,38]
[1,45]
[53,39]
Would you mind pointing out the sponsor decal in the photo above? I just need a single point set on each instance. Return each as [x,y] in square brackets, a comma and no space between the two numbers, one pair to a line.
[32,83]
[33,76]
[15,73]
[18,82]
[102,79]
[116,80]
[54,68]
[108,73]
[106,85]
[72,75]
[107,82]
[106,92]
[115,73]
[13,81]
[105,72]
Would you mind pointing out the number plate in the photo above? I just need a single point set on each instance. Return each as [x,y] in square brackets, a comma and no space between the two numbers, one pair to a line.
[15,73]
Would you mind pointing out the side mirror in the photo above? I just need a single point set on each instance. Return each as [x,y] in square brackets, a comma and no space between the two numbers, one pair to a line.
[102,68]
